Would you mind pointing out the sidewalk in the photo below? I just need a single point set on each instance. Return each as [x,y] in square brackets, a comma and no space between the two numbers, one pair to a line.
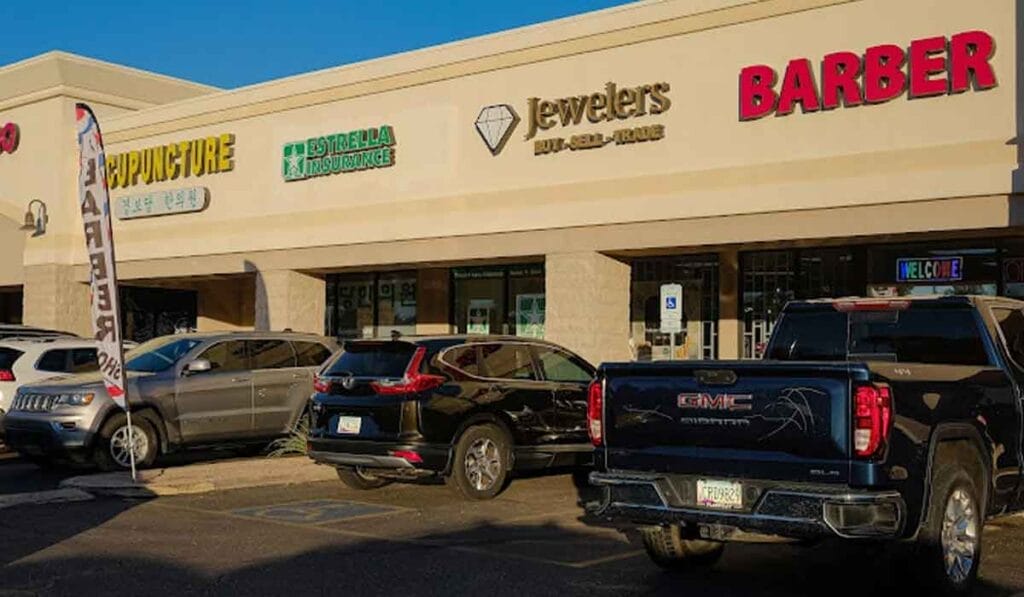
[203,478]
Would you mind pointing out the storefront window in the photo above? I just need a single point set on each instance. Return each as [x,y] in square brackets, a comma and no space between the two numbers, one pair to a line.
[698,275]
[773,278]
[150,312]
[396,303]
[499,300]
[371,305]
[1013,270]
[11,306]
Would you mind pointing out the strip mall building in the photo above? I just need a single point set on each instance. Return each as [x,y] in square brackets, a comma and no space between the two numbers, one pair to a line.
[544,181]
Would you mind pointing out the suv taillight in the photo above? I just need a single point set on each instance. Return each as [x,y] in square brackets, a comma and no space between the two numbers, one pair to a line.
[320,385]
[413,381]
[7,375]
[872,419]
[595,412]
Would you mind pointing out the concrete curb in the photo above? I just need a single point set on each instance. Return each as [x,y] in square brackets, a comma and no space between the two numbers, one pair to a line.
[44,497]
[203,478]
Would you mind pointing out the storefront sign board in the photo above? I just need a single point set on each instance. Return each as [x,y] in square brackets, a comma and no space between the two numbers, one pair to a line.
[184,159]
[339,153]
[10,136]
[932,269]
[932,66]
[162,203]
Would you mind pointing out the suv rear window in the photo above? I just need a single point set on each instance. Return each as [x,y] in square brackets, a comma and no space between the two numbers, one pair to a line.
[373,359]
[8,356]
[916,335]
[311,354]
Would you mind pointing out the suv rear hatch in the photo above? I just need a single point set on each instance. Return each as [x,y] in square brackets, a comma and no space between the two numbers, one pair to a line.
[366,391]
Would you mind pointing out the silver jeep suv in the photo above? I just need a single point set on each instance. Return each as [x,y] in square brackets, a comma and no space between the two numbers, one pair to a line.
[184,390]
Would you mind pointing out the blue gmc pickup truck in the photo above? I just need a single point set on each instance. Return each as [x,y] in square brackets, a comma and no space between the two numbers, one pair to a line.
[884,420]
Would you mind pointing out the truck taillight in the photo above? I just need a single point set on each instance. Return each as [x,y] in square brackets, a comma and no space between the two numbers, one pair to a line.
[413,382]
[595,411]
[872,419]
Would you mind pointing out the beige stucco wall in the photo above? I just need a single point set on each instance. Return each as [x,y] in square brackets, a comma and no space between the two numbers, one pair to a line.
[446,183]
[287,299]
[587,305]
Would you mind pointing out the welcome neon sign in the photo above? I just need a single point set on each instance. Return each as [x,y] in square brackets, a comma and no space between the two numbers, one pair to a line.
[938,269]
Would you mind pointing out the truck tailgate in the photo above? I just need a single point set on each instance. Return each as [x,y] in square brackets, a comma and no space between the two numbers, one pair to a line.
[755,419]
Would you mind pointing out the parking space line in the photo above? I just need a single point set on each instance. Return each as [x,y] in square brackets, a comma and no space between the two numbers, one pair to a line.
[608,559]
[543,515]
[398,540]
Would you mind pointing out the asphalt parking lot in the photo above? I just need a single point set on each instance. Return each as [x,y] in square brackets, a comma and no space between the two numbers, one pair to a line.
[323,538]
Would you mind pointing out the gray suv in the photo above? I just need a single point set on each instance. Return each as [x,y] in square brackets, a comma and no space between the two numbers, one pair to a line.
[185,390]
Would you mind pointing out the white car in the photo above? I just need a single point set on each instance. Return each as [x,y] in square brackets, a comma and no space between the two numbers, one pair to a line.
[30,359]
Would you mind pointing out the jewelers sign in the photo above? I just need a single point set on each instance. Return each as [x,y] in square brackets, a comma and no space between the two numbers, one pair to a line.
[339,153]
[162,203]
[612,104]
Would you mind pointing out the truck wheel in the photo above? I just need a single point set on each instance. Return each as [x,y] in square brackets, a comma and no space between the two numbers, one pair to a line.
[666,548]
[358,478]
[483,458]
[112,449]
[949,544]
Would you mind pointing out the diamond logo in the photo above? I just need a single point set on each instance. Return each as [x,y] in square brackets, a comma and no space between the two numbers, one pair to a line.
[495,125]
[294,161]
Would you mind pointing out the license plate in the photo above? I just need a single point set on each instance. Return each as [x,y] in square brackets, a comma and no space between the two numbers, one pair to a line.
[719,494]
[350,425]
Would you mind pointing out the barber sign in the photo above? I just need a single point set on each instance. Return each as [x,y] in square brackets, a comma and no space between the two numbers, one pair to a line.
[99,241]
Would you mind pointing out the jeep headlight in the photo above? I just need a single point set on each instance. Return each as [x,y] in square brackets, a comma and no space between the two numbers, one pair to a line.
[73,400]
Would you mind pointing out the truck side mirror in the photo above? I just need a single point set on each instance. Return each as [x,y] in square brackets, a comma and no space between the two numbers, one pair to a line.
[197,366]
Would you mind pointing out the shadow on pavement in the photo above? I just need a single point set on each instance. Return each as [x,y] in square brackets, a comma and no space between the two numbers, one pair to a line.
[19,540]
[490,559]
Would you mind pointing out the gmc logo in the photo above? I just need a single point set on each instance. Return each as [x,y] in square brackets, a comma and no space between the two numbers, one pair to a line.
[729,402]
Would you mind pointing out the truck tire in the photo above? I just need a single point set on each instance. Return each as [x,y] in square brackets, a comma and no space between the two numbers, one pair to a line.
[666,548]
[482,462]
[949,544]
[111,451]
[358,478]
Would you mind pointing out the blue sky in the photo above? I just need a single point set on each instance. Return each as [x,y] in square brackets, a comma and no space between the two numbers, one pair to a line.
[229,43]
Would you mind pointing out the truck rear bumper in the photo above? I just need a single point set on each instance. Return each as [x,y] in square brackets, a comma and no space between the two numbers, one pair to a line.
[792,511]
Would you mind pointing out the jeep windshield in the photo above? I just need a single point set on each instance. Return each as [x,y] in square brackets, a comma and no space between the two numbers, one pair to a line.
[159,354]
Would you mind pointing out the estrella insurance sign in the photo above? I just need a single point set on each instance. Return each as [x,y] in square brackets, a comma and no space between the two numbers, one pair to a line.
[99,241]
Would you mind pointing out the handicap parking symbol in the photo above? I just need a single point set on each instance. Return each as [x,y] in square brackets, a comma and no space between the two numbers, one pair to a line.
[670,302]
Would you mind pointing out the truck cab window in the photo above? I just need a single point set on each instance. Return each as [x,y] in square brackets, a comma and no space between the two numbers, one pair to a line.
[1011,324]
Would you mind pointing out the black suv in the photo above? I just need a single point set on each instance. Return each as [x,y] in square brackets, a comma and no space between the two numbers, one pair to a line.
[469,409]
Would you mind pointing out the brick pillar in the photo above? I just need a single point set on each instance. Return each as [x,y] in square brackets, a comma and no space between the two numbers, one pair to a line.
[587,310]
[432,301]
[53,299]
[290,299]
[730,320]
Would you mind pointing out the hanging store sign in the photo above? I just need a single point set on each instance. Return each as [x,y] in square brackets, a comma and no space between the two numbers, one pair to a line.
[195,157]
[10,136]
[363,149]
[495,123]
[937,269]
[162,203]
[931,67]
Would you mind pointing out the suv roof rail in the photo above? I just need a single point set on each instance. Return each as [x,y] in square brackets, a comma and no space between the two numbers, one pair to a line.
[40,338]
